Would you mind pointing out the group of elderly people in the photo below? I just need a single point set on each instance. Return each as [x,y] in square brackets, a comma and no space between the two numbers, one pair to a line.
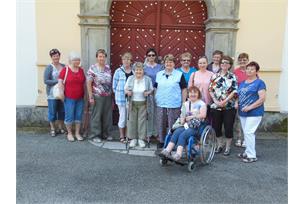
[151,97]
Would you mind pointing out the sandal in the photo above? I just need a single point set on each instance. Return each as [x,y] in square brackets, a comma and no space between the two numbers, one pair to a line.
[242,155]
[70,138]
[79,138]
[218,150]
[249,160]
[53,133]
[122,140]
[238,143]
[62,131]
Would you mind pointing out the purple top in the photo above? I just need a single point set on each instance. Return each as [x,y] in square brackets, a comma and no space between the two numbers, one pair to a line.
[152,71]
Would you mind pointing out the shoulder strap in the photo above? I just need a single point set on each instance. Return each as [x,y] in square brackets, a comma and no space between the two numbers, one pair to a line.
[190,106]
[66,74]
[193,81]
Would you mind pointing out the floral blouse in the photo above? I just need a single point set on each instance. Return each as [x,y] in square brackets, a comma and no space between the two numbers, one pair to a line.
[101,85]
[221,87]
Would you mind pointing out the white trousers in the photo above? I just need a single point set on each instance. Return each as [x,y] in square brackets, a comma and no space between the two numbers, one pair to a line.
[249,126]
[122,116]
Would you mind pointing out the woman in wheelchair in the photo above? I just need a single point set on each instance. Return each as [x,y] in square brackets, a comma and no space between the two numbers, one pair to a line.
[193,113]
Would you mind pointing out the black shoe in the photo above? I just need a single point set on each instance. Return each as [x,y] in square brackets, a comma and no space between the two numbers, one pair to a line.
[218,150]
[227,152]
[160,145]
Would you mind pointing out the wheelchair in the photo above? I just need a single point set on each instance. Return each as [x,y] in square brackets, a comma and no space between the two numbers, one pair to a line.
[199,150]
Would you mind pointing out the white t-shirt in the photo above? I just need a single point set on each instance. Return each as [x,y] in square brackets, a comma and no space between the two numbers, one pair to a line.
[138,90]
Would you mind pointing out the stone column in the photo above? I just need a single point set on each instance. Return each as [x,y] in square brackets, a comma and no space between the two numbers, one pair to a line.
[95,31]
[221,26]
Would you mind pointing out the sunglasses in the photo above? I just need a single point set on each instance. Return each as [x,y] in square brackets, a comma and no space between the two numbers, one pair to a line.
[151,55]
[225,62]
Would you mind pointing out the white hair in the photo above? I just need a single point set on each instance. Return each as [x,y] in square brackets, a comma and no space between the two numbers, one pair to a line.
[74,55]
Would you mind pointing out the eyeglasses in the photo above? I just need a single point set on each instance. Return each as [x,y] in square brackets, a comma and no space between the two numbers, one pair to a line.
[186,60]
[54,51]
[225,62]
[151,55]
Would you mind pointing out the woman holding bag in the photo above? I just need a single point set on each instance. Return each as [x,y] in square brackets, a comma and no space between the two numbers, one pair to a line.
[56,110]
[74,94]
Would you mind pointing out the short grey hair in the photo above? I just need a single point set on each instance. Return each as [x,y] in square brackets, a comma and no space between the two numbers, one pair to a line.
[138,65]
[74,55]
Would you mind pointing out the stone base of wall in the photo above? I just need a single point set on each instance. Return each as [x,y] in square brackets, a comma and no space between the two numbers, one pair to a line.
[32,116]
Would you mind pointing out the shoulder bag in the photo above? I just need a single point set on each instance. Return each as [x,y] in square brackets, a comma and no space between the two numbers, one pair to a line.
[58,93]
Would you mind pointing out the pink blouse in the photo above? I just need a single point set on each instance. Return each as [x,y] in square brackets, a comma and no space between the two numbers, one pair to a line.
[202,81]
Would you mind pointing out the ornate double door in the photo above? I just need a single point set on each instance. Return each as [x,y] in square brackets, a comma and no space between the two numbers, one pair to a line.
[168,26]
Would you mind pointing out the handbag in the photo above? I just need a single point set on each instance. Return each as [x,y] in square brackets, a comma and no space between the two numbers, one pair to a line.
[194,122]
[58,93]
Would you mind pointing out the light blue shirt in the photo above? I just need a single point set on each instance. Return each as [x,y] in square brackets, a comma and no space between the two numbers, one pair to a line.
[169,94]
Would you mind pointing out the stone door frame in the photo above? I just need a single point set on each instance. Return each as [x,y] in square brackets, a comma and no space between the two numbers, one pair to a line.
[221,27]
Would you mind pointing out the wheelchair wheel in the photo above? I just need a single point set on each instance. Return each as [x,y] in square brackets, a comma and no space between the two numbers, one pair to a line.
[207,144]
[191,166]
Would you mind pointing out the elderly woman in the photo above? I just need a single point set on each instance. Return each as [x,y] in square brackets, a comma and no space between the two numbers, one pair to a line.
[99,90]
[202,79]
[215,65]
[120,77]
[223,90]
[74,94]
[186,69]
[151,69]
[170,94]
[56,110]
[192,109]
[251,98]
[137,88]
[240,73]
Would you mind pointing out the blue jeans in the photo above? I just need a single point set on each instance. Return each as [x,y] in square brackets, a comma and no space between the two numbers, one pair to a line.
[181,136]
[56,110]
[73,110]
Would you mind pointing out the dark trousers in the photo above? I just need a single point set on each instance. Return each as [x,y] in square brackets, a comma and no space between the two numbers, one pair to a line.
[101,117]
[225,117]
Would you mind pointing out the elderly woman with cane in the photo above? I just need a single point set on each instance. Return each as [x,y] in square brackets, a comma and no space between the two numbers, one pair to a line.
[137,88]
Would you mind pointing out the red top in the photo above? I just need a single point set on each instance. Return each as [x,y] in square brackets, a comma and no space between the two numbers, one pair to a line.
[240,74]
[74,86]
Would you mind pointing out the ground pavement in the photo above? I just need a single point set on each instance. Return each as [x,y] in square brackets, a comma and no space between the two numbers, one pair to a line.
[53,170]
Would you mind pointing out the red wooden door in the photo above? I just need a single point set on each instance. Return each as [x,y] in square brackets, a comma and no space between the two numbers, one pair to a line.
[168,26]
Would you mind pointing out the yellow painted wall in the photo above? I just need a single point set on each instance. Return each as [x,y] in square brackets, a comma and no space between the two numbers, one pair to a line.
[261,35]
[57,27]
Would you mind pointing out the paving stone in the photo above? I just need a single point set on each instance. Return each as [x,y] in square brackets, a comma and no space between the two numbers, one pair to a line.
[120,151]
[142,153]
[114,145]
[96,144]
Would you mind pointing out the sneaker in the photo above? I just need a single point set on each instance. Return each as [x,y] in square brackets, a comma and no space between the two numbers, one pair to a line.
[176,157]
[227,152]
[97,140]
[244,144]
[141,143]
[238,143]
[249,160]
[133,143]
[165,153]
[109,138]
